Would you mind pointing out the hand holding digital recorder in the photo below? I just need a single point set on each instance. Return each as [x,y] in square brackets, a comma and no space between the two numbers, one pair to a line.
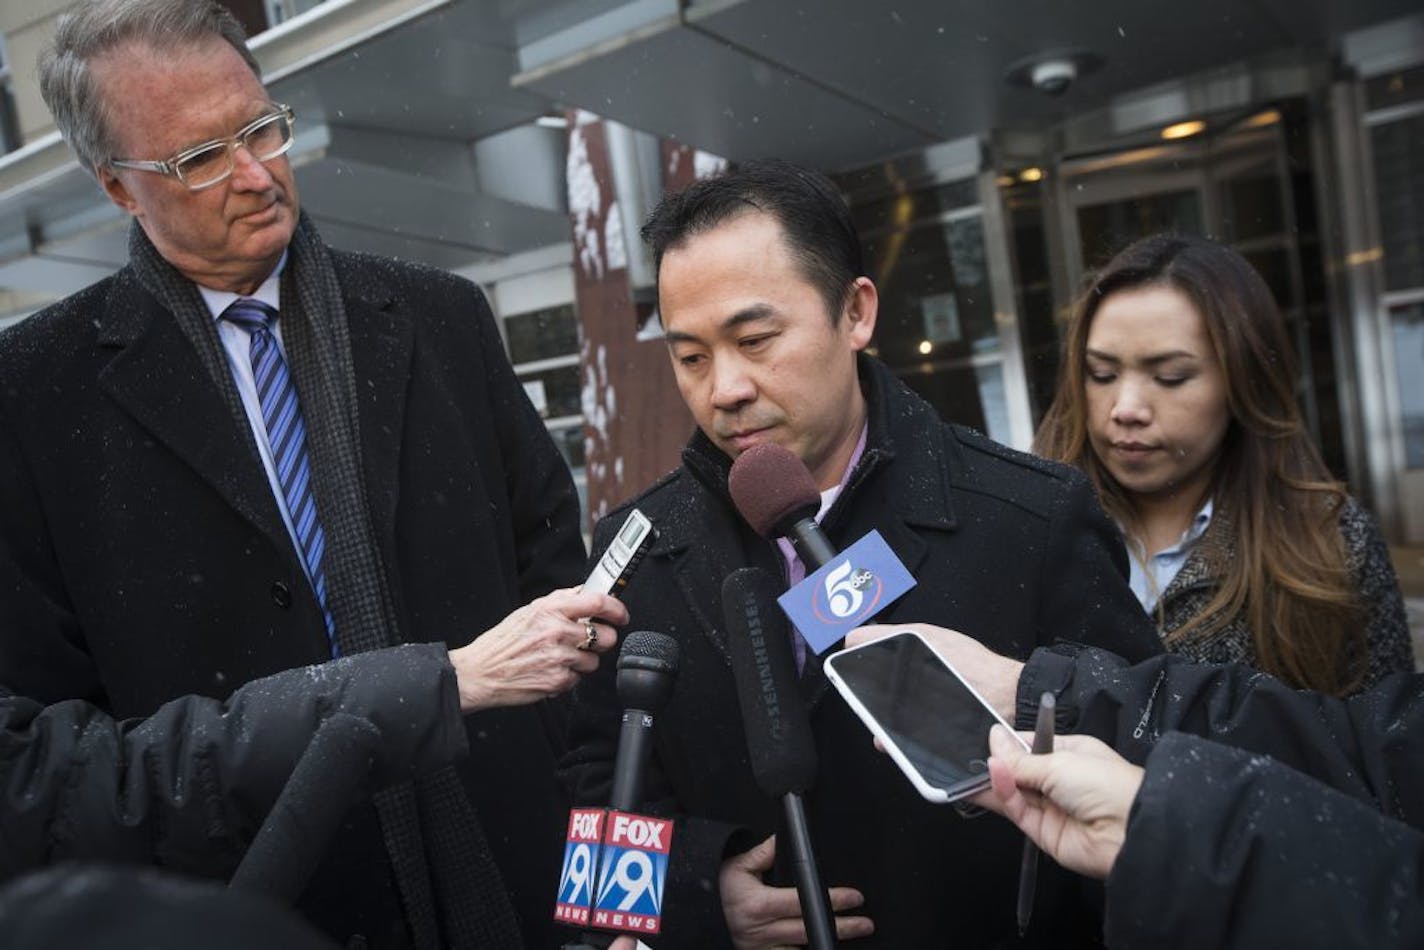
[610,575]
[931,722]
[612,868]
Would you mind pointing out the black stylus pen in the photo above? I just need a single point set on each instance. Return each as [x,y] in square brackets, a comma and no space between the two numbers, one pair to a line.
[1028,870]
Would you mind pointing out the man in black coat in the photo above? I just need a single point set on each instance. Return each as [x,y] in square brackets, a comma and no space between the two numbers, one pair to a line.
[766,308]
[247,452]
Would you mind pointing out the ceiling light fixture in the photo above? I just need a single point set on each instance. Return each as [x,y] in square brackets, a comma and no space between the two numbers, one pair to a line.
[1182,130]
[1053,73]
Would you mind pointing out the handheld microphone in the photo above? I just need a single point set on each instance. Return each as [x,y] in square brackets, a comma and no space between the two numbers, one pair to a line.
[777,495]
[779,741]
[844,588]
[615,862]
[647,667]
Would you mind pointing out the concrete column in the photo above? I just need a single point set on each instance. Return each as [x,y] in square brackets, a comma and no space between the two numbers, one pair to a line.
[636,423]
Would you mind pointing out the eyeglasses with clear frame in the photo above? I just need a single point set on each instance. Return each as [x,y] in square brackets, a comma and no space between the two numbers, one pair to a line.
[203,166]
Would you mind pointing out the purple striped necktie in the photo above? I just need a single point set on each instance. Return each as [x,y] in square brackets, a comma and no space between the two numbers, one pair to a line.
[287,439]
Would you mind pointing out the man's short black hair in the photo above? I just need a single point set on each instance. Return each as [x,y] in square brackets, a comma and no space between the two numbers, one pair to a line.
[812,215]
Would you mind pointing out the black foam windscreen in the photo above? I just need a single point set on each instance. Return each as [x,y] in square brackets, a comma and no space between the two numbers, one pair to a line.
[647,667]
[779,741]
[647,650]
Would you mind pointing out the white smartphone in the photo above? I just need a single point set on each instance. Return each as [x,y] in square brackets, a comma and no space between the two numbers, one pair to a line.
[931,722]
[610,575]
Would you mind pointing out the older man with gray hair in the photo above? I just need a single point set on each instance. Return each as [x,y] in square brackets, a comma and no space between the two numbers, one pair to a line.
[247,452]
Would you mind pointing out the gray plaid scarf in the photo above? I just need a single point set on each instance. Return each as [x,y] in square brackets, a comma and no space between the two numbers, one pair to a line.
[428,825]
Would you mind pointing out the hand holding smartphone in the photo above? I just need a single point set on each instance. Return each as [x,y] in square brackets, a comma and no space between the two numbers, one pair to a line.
[930,721]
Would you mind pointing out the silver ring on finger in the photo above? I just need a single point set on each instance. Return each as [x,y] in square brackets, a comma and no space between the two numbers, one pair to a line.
[590,635]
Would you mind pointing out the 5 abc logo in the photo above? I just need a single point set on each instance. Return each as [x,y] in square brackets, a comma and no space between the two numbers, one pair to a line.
[847,594]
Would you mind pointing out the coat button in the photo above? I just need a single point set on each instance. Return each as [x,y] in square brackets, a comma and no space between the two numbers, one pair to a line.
[281,595]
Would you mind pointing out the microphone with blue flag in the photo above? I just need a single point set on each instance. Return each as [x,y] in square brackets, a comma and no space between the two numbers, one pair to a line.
[848,591]
[776,494]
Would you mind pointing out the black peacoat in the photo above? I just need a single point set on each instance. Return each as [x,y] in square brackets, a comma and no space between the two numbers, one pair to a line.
[1010,549]
[143,557]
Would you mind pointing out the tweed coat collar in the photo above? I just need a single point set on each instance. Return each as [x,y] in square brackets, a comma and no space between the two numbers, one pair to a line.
[153,373]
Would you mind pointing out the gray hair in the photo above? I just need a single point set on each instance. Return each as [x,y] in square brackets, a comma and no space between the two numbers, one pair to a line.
[95,27]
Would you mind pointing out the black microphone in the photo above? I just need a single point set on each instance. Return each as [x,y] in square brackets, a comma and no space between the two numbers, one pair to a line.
[647,668]
[777,495]
[779,741]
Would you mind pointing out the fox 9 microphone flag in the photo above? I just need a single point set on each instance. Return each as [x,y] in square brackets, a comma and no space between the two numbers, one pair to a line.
[615,871]
[616,862]
[579,875]
[632,873]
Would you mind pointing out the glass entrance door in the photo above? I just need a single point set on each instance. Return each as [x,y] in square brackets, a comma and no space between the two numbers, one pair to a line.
[1395,125]
[1407,338]
[946,322]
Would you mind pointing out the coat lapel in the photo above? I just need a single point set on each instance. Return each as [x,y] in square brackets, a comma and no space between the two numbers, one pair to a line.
[703,548]
[911,487]
[910,548]
[381,346]
[156,377]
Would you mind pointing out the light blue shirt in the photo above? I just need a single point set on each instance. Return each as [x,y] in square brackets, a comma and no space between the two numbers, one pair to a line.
[1149,576]
[237,344]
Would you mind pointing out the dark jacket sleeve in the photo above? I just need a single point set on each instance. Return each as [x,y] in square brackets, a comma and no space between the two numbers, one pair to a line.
[1360,746]
[1229,849]
[190,785]
[1389,647]
[543,501]
[692,905]
[42,649]
[1086,597]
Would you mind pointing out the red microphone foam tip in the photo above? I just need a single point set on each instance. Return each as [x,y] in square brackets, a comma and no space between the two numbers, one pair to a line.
[769,483]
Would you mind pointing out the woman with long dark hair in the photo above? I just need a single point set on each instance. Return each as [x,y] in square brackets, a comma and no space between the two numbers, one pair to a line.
[1176,395]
